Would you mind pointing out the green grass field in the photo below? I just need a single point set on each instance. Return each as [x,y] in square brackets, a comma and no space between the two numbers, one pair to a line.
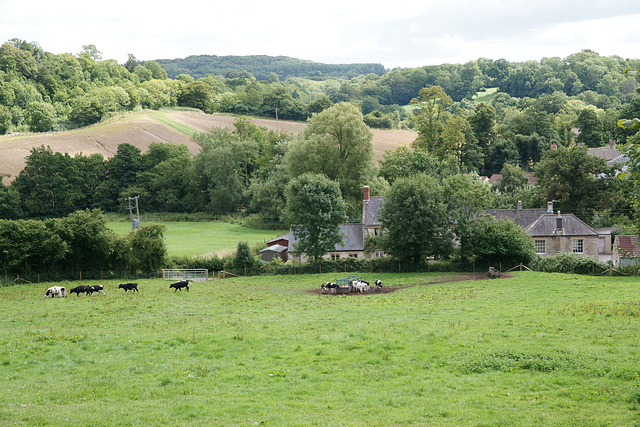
[204,238]
[535,349]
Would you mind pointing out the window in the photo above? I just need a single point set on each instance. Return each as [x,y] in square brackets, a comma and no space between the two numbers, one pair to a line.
[379,254]
[578,246]
[353,255]
[335,257]
[541,246]
[376,231]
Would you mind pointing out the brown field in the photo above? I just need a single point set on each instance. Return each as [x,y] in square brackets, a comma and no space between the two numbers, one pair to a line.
[143,128]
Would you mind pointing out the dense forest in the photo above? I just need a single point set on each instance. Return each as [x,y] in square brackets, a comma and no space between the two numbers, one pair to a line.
[523,110]
[261,67]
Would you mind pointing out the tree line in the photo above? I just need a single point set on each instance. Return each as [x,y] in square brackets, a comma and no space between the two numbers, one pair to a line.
[41,91]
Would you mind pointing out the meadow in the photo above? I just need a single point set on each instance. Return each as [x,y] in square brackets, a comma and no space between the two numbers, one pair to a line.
[533,349]
[204,238]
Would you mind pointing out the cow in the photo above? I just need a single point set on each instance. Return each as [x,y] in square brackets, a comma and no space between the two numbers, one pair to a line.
[97,288]
[81,289]
[129,287]
[378,284]
[359,285]
[179,285]
[329,287]
[56,291]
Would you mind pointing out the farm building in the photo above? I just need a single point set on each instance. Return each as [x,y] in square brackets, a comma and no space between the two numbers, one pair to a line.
[626,252]
[354,235]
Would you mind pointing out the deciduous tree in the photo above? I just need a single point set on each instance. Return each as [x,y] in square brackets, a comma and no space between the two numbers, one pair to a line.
[315,209]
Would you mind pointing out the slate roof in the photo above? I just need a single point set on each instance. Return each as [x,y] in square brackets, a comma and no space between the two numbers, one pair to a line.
[523,217]
[353,235]
[545,225]
[608,153]
[371,208]
[627,245]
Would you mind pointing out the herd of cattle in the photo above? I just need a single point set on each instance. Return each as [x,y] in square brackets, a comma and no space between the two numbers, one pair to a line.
[356,285]
[61,291]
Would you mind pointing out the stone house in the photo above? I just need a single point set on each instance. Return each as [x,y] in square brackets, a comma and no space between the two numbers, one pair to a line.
[553,233]
[354,235]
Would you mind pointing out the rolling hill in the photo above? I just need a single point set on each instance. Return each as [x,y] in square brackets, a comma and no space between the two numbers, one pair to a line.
[145,127]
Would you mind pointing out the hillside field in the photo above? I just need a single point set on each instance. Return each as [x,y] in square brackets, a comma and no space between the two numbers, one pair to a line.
[204,238]
[533,349]
[145,127]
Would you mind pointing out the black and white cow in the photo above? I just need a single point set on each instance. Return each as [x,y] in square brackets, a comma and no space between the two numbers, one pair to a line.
[97,288]
[179,285]
[329,287]
[378,283]
[129,287]
[56,291]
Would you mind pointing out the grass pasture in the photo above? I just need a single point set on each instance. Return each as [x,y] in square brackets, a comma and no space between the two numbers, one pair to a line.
[533,349]
[204,238]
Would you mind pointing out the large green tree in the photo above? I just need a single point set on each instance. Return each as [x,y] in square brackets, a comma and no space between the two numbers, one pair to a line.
[432,103]
[416,219]
[578,181]
[315,209]
[338,144]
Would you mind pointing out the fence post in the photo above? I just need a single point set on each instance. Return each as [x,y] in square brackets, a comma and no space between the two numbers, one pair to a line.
[320,268]
[245,270]
[80,274]
[38,277]
[399,269]
[268,269]
[500,268]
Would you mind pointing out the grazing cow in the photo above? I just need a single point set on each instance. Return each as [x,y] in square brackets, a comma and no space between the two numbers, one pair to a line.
[97,288]
[378,284]
[329,287]
[360,286]
[56,291]
[129,287]
[80,289]
[179,285]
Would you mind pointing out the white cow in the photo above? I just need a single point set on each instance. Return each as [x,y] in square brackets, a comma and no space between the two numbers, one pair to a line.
[360,286]
[56,291]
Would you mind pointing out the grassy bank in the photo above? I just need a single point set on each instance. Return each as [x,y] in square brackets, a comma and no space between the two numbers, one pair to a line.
[534,349]
[204,238]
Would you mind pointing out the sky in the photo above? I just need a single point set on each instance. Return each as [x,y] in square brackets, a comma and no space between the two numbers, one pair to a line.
[394,33]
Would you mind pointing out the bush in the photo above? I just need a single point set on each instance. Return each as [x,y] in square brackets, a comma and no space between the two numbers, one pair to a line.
[570,263]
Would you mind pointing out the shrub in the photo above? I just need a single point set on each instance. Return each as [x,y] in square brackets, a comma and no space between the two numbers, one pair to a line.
[570,263]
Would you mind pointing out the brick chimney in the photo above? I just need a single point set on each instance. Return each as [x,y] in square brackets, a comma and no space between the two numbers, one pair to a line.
[550,206]
[612,143]
[366,193]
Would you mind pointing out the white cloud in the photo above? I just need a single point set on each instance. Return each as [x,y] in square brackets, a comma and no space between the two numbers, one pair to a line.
[406,33]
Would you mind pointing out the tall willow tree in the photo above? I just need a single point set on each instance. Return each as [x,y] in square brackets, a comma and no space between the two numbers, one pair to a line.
[338,144]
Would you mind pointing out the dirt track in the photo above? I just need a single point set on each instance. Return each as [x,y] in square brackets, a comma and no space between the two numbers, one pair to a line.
[392,288]
[141,129]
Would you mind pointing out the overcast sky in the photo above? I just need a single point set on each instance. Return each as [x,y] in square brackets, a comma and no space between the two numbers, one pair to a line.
[395,33]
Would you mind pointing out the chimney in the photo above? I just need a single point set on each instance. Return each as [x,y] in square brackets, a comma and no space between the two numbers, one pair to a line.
[366,193]
[559,229]
[554,146]
[518,212]
[550,206]
[612,143]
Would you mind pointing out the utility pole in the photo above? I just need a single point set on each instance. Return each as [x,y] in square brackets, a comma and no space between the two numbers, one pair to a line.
[135,222]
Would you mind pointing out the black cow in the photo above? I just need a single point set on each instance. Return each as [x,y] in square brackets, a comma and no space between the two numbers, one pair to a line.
[80,289]
[179,285]
[129,287]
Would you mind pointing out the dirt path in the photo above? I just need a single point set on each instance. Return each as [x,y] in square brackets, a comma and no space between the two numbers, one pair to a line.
[460,277]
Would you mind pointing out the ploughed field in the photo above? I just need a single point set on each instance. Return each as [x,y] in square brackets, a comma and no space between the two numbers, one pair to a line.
[530,349]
